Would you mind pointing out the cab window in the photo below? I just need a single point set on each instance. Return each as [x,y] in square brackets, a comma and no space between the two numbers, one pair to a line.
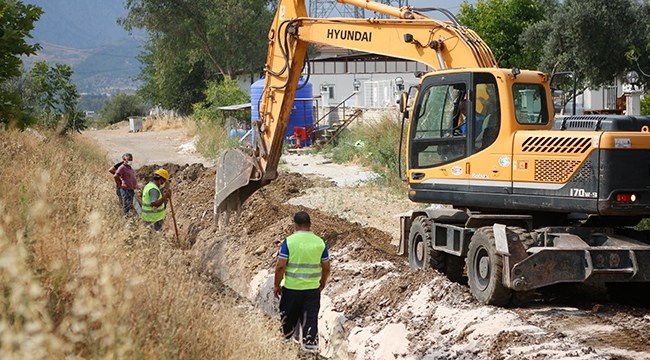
[436,136]
[530,104]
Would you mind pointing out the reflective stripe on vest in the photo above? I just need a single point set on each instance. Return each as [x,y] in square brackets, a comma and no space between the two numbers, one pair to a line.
[149,214]
[304,270]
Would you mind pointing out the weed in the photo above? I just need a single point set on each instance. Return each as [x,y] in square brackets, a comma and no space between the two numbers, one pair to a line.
[165,122]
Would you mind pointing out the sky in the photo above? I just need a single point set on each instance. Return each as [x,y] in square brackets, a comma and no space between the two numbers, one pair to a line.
[451,5]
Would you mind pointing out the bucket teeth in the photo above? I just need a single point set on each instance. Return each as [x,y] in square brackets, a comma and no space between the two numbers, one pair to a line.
[228,211]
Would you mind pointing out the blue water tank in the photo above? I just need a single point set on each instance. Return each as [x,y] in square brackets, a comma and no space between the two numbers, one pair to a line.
[302,113]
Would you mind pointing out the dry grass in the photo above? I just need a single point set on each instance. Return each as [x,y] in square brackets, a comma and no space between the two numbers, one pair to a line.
[166,122]
[78,280]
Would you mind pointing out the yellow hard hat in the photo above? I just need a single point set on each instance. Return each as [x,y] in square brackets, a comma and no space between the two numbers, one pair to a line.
[162,173]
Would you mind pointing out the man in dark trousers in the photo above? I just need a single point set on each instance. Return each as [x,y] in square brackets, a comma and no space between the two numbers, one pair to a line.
[303,266]
[112,170]
[126,180]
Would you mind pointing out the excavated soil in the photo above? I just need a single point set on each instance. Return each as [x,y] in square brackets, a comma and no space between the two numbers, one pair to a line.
[374,307]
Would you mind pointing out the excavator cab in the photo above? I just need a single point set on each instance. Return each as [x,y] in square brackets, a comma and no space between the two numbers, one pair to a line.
[441,131]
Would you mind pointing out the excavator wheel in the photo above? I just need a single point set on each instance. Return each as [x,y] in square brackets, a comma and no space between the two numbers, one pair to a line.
[485,269]
[421,253]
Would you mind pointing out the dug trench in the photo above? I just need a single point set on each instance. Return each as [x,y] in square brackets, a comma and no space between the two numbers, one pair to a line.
[374,307]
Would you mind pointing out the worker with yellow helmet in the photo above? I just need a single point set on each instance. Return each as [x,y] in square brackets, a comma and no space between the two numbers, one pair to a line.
[153,200]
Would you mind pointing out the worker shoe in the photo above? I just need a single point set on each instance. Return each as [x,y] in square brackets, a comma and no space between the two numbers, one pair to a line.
[310,348]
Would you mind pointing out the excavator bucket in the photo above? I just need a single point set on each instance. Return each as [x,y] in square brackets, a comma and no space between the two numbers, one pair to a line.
[238,176]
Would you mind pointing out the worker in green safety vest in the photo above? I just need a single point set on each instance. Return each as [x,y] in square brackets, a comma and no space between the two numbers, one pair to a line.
[153,200]
[301,273]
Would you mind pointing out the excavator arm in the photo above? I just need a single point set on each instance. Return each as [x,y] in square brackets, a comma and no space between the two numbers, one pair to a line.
[413,36]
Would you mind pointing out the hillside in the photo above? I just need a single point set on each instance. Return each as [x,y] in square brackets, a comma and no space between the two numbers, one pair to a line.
[85,35]
[80,24]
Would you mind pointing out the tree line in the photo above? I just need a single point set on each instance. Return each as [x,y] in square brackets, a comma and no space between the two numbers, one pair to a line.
[192,46]
[601,40]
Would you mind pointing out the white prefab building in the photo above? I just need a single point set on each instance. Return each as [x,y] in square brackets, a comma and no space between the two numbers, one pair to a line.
[377,78]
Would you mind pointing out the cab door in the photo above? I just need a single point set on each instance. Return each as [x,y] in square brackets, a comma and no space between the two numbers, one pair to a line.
[490,161]
[438,141]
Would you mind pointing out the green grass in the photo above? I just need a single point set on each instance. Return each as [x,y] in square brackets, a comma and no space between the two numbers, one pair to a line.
[213,139]
[374,145]
[643,225]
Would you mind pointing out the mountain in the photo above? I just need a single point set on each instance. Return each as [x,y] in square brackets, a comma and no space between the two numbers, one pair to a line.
[85,35]
[79,23]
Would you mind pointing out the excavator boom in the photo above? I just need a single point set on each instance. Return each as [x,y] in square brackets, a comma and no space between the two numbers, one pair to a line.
[413,36]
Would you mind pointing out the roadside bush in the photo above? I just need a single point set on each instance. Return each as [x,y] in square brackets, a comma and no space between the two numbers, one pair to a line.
[213,139]
[121,106]
[220,93]
[213,131]
[375,145]
[55,97]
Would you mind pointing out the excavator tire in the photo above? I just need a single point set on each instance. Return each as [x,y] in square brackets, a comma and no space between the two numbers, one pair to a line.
[421,253]
[485,269]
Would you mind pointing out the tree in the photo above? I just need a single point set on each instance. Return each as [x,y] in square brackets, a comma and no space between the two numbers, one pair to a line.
[121,106]
[91,102]
[56,97]
[171,82]
[640,57]
[500,24]
[197,40]
[229,34]
[590,37]
[16,23]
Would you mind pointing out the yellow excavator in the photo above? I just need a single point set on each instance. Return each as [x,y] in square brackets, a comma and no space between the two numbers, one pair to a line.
[533,200]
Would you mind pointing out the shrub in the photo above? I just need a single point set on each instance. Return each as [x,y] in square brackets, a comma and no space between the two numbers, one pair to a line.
[220,93]
[373,144]
[213,139]
[645,105]
[212,129]
[55,97]
[121,106]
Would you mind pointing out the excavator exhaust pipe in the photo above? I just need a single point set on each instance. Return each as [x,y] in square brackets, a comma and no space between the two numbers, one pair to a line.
[238,177]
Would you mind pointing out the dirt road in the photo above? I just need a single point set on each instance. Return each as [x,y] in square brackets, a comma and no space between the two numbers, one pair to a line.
[375,308]
[148,147]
